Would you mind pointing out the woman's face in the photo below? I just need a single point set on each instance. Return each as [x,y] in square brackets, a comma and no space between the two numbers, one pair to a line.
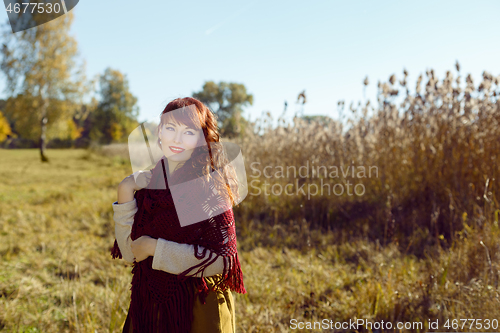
[178,141]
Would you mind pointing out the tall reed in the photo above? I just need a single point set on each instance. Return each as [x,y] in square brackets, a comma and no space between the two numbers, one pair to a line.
[433,155]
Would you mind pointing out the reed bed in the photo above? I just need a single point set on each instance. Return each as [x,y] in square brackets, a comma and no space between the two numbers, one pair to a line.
[433,156]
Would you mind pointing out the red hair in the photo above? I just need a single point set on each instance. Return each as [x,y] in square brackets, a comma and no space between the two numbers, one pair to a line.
[206,118]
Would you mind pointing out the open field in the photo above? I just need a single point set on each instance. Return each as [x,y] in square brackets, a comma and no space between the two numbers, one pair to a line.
[56,273]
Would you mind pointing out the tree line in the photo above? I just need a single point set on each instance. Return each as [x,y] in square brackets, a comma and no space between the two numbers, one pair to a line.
[51,102]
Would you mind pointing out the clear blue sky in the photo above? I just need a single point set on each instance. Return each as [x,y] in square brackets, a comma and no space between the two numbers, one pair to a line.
[168,49]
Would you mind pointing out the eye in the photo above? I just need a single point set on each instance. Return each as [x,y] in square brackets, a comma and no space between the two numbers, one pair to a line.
[170,128]
[189,132]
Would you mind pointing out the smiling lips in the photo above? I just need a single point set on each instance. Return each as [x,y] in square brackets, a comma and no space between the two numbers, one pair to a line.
[176,149]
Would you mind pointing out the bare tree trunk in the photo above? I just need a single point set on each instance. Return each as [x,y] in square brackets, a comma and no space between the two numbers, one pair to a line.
[43,142]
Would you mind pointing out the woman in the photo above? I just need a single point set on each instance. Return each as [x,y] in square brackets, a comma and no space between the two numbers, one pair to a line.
[182,275]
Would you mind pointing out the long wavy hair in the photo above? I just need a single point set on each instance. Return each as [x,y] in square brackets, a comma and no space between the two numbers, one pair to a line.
[207,161]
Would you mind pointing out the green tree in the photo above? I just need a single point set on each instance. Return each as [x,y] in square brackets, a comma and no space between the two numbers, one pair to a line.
[227,100]
[116,113]
[44,82]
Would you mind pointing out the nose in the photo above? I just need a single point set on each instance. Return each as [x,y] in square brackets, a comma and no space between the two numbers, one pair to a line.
[178,137]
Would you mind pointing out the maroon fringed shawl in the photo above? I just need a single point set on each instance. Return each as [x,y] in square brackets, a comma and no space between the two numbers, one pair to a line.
[163,302]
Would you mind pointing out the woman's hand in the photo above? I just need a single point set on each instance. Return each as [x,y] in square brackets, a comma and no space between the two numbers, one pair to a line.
[143,247]
[134,182]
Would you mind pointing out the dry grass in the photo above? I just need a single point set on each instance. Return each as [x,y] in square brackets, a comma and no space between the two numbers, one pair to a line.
[56,274]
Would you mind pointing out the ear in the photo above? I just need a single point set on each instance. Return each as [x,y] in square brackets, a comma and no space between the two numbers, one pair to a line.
[159,132]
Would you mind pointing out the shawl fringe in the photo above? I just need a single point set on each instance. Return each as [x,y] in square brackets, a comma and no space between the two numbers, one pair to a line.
[115,251]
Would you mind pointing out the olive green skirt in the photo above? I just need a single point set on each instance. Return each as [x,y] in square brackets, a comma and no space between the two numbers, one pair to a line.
[215,316]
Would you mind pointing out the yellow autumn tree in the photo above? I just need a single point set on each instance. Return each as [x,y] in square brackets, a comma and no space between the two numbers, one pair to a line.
[44,82]
[5,129]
